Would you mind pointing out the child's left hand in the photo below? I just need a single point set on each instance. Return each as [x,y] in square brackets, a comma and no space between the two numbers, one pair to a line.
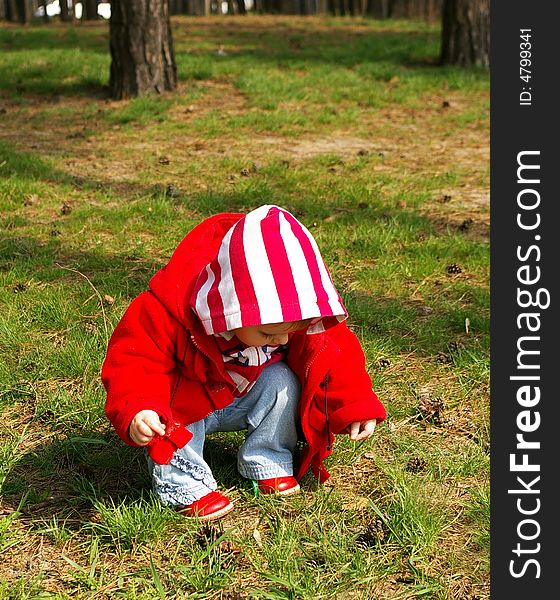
[361,430]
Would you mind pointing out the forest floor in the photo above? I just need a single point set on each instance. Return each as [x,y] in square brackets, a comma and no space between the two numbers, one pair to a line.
[384,155]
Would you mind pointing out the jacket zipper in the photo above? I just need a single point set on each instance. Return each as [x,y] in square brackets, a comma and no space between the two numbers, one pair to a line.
[310,363]
[325,387]
[326,384]
[197,346]
[179,377]
[202,351]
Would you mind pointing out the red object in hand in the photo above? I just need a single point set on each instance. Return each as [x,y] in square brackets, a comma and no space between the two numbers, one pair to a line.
[162,447]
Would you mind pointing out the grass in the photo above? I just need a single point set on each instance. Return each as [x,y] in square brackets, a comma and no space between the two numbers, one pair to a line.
[351,125]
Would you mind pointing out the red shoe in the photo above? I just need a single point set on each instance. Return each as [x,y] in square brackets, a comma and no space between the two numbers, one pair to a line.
[212,506]
[278,485]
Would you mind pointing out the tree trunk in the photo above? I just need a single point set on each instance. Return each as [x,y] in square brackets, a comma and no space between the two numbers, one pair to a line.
[398,9]
[24,11]
[195,7]
[465,39]
[379,9]
[43,3]
[65,14]
[142,56]
[89,10]
[12,12]
[433,10]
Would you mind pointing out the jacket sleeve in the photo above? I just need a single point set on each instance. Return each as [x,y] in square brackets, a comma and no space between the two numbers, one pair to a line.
[140,367]
[349,389]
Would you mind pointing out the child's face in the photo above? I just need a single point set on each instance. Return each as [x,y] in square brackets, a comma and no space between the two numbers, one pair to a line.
[272,334]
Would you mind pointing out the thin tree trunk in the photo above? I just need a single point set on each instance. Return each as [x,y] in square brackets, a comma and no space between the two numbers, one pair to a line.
[465,37]
[12,11]
[65,14]
[89,10]
[380,9]
[142,56]
[24,11]
[43,3]
[433,12]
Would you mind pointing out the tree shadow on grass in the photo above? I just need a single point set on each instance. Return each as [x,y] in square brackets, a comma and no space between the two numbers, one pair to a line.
[406,325]
[30,168]
[343,44]
[57,36]
[48,262]
[68,476]
[278,43]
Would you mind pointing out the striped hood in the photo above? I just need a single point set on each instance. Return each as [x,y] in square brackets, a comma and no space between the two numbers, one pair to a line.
[268,270]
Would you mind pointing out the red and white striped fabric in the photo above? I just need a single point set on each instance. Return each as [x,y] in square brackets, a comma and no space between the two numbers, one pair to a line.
[268,270]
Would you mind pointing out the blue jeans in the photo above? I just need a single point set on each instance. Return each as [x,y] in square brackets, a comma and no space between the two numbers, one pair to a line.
[268,413]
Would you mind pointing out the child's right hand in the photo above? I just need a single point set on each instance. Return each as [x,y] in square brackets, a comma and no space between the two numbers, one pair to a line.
[144,426]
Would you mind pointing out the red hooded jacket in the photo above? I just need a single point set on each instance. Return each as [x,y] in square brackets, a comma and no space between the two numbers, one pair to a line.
[161,356]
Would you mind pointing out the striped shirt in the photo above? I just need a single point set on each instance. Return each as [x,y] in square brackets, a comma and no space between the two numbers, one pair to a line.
[244,364]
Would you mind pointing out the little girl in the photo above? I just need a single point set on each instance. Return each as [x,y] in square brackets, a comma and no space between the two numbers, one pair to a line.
[243,329]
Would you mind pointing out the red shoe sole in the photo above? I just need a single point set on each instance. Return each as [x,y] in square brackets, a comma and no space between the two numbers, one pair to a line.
[293,490]
[216,515]
[269,489]
[202,509]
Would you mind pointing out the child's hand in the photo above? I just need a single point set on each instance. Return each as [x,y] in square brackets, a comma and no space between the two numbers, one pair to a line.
[361,430]
[144,426]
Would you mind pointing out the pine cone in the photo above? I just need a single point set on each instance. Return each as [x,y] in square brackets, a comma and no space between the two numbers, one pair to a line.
[454,268]
[416,464]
